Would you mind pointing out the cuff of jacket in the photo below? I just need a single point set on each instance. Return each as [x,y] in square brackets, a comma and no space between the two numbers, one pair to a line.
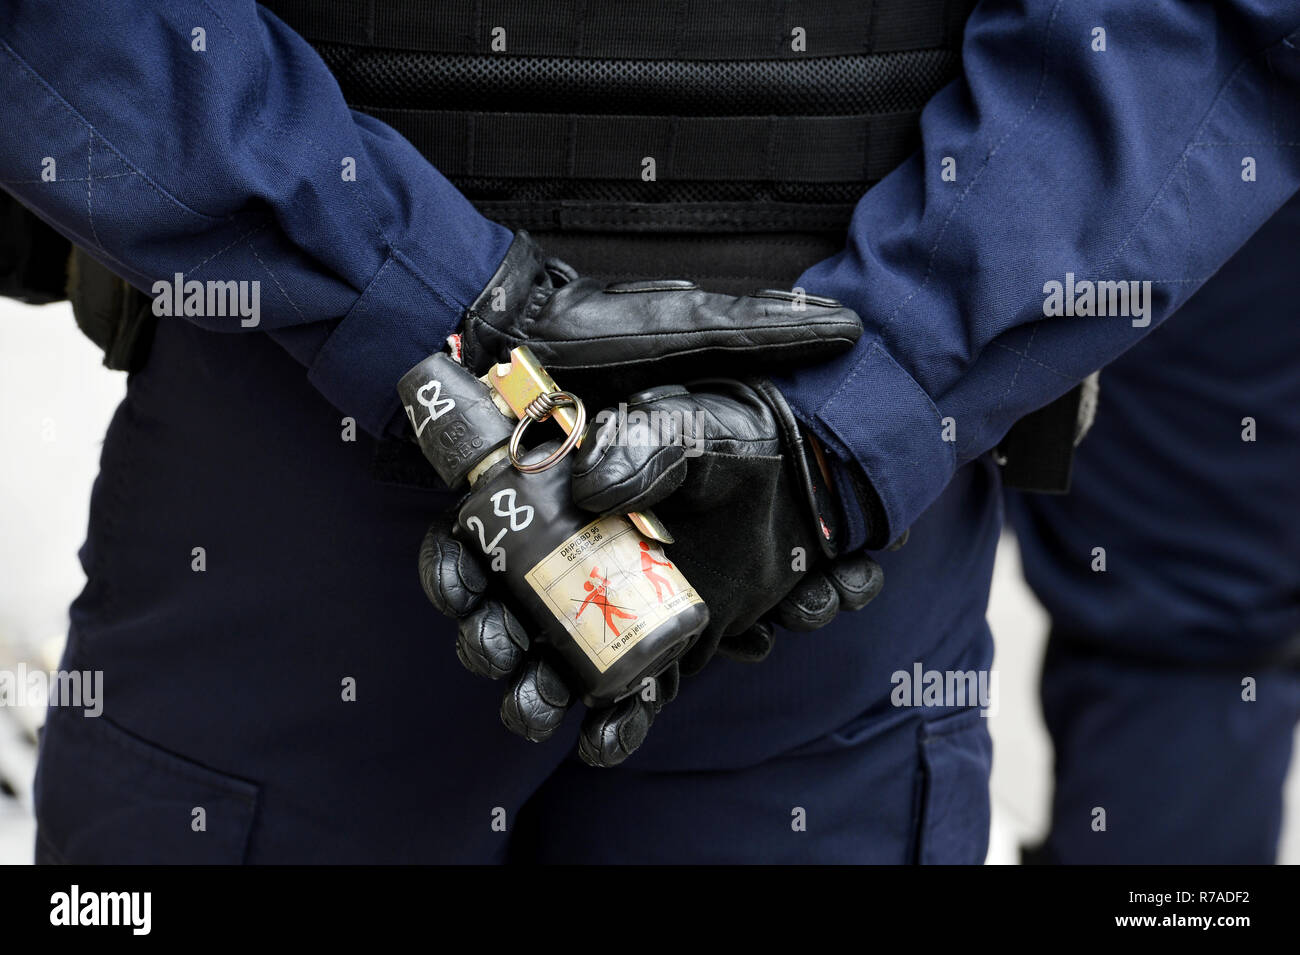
[396,323]
[861,513]
[880,418]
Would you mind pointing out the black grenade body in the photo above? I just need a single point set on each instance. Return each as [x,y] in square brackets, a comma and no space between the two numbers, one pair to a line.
[605,600]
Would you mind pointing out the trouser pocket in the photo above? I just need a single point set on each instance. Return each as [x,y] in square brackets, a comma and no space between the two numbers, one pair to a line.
[105,796]
[956,756]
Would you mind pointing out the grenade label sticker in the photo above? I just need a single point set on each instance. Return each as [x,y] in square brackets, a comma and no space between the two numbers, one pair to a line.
[610,587]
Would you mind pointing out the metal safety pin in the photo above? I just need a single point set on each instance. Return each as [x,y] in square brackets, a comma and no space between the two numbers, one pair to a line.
[523,389]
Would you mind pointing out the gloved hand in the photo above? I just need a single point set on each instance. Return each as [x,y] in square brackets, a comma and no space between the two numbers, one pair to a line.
[602,342]
[728,470]
[492,642]
[732,471]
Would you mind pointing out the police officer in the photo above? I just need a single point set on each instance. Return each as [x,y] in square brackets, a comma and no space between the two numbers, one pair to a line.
[213,139]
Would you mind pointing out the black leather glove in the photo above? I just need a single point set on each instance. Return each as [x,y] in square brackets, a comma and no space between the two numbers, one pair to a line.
[728,470]
[492,642]
[602,342]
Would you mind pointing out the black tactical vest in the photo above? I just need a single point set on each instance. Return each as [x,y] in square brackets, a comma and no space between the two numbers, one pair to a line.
[725,141]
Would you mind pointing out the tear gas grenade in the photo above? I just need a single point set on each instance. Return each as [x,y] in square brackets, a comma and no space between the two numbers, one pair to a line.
[599,592]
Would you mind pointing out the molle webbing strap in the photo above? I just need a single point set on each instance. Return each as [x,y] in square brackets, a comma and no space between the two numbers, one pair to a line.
[696,148]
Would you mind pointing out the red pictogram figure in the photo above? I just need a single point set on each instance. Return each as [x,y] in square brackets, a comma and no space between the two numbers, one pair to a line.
[648,564]
[598,594]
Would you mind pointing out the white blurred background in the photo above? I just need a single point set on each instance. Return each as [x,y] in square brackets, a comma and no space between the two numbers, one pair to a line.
[55,403]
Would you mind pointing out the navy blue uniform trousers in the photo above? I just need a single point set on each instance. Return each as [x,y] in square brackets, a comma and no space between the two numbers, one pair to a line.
[224,688]
[1171,685]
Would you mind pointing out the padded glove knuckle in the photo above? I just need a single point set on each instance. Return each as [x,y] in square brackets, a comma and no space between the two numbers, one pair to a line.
[811,605]
[491,642]
[452,579]
[535,704]
[610,736]
[859,580]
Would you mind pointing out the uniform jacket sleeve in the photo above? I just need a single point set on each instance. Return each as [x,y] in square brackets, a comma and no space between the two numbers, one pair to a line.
[1106,140]
[206,138]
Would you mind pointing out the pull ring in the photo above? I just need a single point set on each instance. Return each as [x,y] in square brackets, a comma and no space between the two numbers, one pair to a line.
[539,409]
